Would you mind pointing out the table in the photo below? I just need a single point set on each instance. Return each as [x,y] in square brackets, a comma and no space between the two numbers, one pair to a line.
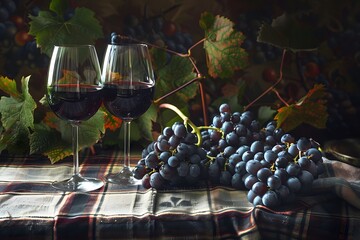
[31,209]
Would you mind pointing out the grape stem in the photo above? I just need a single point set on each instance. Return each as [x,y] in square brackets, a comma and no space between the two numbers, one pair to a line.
[187,121]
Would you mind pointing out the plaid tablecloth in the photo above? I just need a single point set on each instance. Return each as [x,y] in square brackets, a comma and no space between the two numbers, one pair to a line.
[31,209]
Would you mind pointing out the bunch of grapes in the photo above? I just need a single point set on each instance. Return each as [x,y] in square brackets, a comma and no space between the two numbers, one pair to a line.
[173,160]
[266,161]
[233,151]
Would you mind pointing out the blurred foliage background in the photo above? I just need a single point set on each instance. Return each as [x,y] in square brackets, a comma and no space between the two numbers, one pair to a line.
[330,28]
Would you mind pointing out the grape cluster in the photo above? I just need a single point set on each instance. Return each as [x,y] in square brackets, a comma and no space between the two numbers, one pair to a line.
[173,160]
[157,31]
[17,46]
[234,151]
[266,161]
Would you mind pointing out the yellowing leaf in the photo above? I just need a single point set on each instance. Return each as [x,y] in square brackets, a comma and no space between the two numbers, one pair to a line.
[9,86]
[111,122]
[222,45]
[58,153]
[311,109]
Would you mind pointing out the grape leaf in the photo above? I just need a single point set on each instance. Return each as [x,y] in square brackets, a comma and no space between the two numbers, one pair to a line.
[175,73]
[18,110]
[311,109]
[48,141]
[145,122]
[15,139]
[55,143]
[90,131]
[287,32]
[17,116]
[111,122]
[9,86]
[58,6]
[50,29]
[222,45]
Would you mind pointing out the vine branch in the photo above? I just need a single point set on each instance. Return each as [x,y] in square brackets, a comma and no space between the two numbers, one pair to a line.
[272,86]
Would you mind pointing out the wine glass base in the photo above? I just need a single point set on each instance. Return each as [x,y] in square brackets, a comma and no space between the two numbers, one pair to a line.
[124,177]
[77,183]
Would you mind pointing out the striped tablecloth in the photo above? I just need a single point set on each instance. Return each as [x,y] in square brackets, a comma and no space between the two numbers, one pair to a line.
[31,209]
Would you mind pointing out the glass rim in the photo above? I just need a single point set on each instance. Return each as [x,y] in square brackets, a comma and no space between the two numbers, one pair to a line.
[74,45]
[128,44]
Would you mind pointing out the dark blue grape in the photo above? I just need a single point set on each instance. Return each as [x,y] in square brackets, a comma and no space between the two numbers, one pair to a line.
[259,188]
[294,184]
[270,156]
[293,169]
[274,182]
[173,161]
[253,166]
[304,162]
[227,127]
[224,108]
[139,171]
[257,146]
[270,199]
[287,138]
[180,130]
[250,180]
[240,168]
[303,144]
[263,174]
[152,160]
[167,172]
[314,154]
[156,180]
[232,139]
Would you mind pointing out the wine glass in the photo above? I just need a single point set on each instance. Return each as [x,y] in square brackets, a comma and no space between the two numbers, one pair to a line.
[129,86]
[74,94]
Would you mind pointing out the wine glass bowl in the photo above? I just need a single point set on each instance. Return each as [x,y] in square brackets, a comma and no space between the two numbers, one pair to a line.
[74,94]
[128,85]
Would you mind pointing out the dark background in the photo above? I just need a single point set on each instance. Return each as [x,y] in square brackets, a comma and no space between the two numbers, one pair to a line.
[335,63]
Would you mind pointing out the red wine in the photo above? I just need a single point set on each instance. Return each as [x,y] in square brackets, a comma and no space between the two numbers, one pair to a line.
[70,103]
[126,103]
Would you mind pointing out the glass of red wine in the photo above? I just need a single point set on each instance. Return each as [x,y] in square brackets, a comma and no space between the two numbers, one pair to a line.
[74,94]
[129,86]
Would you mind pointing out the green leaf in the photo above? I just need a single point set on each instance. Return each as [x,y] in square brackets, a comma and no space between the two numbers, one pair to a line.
[287,32]
[145,122]
[58,6]
[222,45]
[15,139]
[57,145]
[17,116]
[50,29]
[90,131]
[48,141]
[173,75]
[18,110]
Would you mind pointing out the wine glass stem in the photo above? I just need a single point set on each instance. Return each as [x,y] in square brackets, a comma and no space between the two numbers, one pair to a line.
[75,145]
[127,144]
